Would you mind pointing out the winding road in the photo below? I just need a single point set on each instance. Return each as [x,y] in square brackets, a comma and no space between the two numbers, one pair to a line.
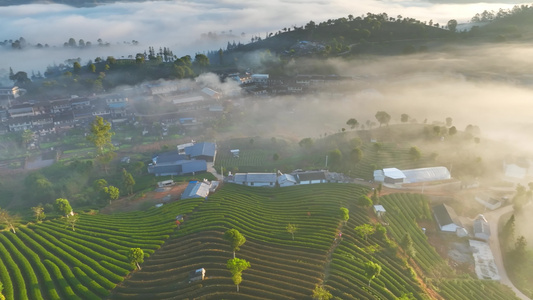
[493,218]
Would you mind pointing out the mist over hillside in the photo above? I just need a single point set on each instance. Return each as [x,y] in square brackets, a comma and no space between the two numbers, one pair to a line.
[185,26]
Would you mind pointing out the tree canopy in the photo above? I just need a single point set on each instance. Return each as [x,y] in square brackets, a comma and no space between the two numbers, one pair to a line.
[136,256]
[372,270]
[365,230]
[383,118]
[236,266]
[345,214]
[63,206]
[100,134]
[235,238]
[128,181]
[352,123]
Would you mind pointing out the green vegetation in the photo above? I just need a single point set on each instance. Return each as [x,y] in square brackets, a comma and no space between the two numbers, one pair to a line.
[48,261]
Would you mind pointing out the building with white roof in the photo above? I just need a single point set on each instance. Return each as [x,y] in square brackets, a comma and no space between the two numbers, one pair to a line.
[394,175]
[255,179]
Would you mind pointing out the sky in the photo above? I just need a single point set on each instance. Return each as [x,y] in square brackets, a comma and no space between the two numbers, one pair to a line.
[179,24]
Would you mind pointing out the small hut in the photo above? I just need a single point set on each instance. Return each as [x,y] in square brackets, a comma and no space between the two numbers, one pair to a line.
[379,210]
[197,275]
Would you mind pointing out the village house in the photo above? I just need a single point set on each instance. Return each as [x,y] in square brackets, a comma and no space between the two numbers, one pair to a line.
[21,110]
[172,163]
[379,210]
[310,177]
[204,151]
[481,228]
[448,220]
[396,176]
[196,189]
[60,106]
[19,124]
[254,179]
[286,180]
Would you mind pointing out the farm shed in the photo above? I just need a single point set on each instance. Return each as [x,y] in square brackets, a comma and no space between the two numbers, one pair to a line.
[481,228]
[310,177]
[255,179]
[379,210]
[205,151]
[286,180]
[426,174]
[172,163]
[197,275]
[393,175]
[488,201]
[196,189]
[446,218]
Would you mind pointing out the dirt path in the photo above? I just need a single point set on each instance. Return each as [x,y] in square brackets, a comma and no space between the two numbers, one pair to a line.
[132,203]
[336,242]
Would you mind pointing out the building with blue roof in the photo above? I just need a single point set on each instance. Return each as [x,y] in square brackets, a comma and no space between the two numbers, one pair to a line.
[172,163]
[205,151]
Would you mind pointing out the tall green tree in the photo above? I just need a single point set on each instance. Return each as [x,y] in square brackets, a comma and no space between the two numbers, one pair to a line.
[112,193]
[201,61]
[452,25]
[63,206]
[128,181]
[100,134]
[344,214]
[372,270]
[292,228]
[383,118]
[136,257]
[236,266]
[235,238]
[352,123]
[364,230]
[404,118]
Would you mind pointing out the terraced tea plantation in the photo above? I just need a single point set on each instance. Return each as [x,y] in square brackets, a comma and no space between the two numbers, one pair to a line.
[50,261]
[283,268]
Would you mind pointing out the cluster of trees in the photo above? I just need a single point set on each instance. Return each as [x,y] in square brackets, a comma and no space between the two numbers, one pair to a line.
[488,16]
[104,74]
[236,265]
[22,43]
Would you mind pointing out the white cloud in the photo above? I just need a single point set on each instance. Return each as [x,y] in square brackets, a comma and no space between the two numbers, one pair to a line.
[179,24]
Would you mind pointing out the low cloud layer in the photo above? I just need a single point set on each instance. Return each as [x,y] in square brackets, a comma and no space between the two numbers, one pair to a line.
[180,24]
